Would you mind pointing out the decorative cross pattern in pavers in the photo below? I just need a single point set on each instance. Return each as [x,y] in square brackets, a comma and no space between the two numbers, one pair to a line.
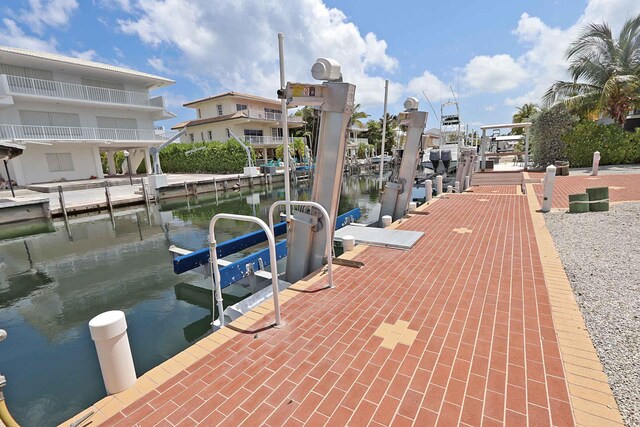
[617,188]
[462,230]
[397,333]
[483,200]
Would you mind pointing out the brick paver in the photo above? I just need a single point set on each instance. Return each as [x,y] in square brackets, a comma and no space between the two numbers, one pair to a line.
[495,189]
[622,188]
[470,338]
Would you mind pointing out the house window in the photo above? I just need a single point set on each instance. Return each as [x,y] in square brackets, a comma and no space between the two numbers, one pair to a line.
[191,137]
[253,136]
[59,162]
[272,114]
[210,136]
[219,109]
[276,132]
[199,114]
[241,107]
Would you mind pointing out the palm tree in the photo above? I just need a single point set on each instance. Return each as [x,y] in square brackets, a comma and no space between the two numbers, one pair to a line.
[523,113]
[605,72]
[356,117]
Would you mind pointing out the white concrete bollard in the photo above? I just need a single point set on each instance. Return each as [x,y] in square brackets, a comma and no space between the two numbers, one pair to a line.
[109,332]
[428,190]
[386,221]
[449,189]
[457,186]
[596,163]
[413,206]
[467,182]
[348,243]
[547,194]
[439,185]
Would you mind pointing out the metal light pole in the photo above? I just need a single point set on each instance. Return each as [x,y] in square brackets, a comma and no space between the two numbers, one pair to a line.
[126,155]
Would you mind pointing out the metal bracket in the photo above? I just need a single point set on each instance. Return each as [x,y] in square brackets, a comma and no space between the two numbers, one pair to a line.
[347,262]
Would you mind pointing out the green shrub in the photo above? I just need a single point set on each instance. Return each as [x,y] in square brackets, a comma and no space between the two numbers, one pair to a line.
[549,127]
[214,157]
[616,146]
[296,150]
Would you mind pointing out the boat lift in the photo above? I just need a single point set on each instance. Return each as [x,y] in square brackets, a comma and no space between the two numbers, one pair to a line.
[397,192]
[484,142]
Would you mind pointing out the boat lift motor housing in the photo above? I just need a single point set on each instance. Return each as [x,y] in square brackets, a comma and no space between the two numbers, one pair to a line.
[434,157]
[306,239]
[397,192]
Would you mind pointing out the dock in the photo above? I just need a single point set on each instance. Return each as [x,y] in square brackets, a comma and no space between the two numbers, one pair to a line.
[476,324]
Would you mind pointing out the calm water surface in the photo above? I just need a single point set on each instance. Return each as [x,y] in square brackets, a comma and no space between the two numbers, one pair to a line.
[52,284]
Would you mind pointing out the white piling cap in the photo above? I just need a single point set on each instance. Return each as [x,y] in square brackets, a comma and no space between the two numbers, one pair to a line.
[107,325]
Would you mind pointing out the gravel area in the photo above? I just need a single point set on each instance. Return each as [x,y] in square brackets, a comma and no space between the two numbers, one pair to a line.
[601,255]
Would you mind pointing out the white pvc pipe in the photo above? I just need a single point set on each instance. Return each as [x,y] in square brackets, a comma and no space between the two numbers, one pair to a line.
[596,163]
[285,130]
[384,129]
[547,195]
[328,227]
[439,185]
[386,221]
[348,243]
[109,332]
[213,259]
[428,189]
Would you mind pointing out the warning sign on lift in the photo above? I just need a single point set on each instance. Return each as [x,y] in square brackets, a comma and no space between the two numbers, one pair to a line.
[302,90]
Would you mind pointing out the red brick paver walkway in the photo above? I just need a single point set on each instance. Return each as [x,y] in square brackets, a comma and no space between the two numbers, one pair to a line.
[622,188]
[457,330]
[495,189]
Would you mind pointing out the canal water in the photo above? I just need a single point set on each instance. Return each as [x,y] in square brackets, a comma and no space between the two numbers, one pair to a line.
[52,284]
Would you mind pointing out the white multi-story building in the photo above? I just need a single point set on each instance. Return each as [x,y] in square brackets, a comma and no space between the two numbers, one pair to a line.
[254,119]
[67,111]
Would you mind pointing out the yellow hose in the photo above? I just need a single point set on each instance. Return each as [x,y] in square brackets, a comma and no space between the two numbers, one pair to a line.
[5,416]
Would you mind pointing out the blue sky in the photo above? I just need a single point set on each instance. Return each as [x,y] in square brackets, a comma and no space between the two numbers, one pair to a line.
[496,55]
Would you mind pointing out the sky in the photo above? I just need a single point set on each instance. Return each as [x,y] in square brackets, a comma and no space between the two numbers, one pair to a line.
[494,55]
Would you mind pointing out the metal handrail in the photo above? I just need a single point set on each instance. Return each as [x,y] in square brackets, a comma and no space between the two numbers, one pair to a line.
[213,261]
[328,228]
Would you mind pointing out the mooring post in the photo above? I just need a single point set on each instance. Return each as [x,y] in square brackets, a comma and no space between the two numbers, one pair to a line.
[62,205]
[107,194]
[596,163]
[547,195]
[428,190]
[439,185]
[466,182]
[186,190]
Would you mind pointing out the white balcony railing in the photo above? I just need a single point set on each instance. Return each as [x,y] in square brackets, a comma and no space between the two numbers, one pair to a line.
[22,132]
[358,141]
[258,140]
[268,115]
[50,88]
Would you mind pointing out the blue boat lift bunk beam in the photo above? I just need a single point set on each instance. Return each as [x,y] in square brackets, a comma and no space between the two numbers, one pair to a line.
[237,270]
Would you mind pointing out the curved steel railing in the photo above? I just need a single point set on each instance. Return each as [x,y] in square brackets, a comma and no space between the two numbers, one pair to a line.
[213,260]
[328,227]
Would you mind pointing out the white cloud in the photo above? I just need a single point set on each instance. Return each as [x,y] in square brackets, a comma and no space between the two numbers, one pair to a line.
[495,73]
[429,83]
[235,45]
[48,13]
[89,55]
[12,35]
[489,108]
[158,64]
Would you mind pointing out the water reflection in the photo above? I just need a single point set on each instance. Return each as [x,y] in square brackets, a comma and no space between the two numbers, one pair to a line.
[51,286]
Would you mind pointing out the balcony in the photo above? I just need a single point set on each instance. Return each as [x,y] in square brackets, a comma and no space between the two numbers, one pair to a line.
[32,132]
[48,88]
[267,140]
[357,141]
[267,115]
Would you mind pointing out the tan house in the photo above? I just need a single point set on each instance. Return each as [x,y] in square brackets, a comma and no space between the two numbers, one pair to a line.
[254,119]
